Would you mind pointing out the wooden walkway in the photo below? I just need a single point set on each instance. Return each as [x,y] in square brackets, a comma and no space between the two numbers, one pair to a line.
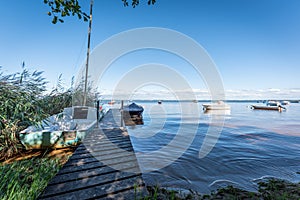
[103,167]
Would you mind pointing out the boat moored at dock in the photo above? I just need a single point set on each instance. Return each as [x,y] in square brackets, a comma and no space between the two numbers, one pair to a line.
[133,109]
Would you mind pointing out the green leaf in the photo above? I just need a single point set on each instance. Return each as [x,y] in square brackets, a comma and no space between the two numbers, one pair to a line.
[54,21]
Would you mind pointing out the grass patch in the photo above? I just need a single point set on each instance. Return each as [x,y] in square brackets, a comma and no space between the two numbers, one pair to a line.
[26,179]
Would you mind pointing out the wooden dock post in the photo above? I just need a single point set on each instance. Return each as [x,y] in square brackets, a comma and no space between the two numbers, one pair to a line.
[122,113]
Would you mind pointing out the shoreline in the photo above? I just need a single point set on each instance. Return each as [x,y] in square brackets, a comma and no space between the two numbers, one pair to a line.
[267,189]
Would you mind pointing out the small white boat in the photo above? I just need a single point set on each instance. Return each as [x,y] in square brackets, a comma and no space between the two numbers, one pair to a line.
[270,105]
[273,103]
[220,105]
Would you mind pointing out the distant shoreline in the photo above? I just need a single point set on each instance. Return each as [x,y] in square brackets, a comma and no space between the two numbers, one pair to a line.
[191,100]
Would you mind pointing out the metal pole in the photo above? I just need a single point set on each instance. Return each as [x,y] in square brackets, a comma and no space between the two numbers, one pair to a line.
[88,53]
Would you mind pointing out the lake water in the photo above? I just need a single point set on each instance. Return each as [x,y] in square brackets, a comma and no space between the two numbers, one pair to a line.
[251,145]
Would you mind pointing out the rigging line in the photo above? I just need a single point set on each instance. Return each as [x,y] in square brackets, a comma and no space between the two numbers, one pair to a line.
[80,54]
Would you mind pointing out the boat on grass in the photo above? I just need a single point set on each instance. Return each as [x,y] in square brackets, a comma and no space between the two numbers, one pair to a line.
[220,105]
[65,129]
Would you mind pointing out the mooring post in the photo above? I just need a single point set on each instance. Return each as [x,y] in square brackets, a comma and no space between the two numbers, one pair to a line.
[98,114]
[122,106]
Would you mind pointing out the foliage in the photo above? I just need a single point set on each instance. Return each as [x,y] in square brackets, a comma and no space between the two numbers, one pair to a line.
[65,8]
[26,179]
[9,143]
[58,99]
[20,93]
[23,103]
[135,3]
[62,8]
[78,94]
[20,107]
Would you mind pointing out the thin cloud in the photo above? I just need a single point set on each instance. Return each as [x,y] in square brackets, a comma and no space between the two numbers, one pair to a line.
[203,94]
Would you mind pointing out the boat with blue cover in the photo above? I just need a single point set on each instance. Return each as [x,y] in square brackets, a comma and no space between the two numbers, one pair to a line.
[133,109]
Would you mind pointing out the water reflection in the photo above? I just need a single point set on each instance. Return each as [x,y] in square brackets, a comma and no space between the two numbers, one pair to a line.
[217,112]
[246,151]
[132,120]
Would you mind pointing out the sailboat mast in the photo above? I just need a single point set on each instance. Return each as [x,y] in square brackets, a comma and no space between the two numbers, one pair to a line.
[88,54]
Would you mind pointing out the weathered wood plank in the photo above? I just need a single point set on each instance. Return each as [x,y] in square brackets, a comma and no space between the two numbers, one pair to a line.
[96,148]
[103,167]
[99,171]
[106,158]
[101,190]
[88,182]
[93,165]
[104,142]
[102,152]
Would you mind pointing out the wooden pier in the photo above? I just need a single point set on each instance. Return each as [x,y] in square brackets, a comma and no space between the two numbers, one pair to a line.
[104,166]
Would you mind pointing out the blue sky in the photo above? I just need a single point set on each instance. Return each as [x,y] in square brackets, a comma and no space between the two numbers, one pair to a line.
[254,43]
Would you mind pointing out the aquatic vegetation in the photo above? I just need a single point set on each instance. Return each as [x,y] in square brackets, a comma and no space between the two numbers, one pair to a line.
[271,189]
[279,189]
[24,103]
[20,107]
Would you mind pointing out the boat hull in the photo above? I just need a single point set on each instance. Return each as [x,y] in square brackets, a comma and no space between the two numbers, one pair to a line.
[274,108]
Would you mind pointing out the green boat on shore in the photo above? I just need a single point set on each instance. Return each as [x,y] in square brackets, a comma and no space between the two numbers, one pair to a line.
[65,129]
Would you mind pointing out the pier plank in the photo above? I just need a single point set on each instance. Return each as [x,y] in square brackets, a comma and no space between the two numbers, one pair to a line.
[104,166]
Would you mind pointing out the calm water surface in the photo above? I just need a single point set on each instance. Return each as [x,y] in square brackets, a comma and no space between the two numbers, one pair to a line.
[253,145]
